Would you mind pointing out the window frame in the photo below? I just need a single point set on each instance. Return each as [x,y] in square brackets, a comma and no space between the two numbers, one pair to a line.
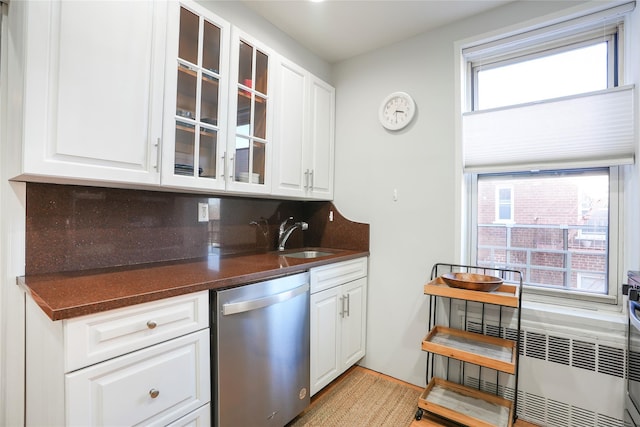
[612,34]
[559,296]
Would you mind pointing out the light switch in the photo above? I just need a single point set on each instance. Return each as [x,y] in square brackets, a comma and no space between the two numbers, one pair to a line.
[203,212]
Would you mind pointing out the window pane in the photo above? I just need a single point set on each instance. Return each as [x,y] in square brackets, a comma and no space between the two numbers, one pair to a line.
[243,118]
[262,67]
[241,160]
[504,212]
[211,47]
[558,236]
[188,40]
[185,147]
[209,100]
[259,156]
[245,64]
[260,117]
[567,73]
[208,153]
[186,94]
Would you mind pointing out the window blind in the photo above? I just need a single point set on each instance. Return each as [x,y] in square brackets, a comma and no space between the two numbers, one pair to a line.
[588,130]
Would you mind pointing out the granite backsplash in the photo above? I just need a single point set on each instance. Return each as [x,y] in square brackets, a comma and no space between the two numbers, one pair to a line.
[73,228]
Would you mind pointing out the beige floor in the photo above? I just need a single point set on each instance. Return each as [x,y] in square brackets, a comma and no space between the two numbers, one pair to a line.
[425,421]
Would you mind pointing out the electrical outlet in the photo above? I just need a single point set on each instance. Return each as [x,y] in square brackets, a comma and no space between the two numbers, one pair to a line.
[203,212]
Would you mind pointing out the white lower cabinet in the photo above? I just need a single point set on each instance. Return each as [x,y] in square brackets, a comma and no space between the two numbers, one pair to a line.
[160,376]
[153,386]
[338,319]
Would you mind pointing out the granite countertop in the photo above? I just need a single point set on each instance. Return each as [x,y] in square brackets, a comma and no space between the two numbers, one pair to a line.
[71,294]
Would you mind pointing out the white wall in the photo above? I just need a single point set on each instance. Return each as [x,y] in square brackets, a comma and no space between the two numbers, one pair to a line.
[419,229]
[632,181]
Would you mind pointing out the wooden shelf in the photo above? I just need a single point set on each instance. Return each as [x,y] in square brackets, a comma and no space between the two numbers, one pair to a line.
[466,405]
[490,352]
[506,294]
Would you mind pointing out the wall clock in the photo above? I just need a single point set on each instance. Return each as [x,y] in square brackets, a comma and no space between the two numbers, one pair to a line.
[397,110]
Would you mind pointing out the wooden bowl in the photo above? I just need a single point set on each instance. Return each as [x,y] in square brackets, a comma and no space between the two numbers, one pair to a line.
[472,281]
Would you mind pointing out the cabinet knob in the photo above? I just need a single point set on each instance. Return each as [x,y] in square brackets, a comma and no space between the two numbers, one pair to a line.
[154,393]
[151,324]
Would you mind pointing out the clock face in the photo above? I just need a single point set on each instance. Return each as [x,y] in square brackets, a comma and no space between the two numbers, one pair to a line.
[397,111]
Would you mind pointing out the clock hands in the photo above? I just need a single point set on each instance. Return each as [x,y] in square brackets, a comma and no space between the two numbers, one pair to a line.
[396,113]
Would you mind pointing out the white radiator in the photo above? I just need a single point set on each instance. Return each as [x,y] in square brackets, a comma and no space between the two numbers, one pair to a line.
[571,381]
[567,377]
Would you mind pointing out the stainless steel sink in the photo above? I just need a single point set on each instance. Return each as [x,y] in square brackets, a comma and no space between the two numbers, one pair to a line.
[308,254]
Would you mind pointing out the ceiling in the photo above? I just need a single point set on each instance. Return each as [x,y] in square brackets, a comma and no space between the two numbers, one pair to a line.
[340,29]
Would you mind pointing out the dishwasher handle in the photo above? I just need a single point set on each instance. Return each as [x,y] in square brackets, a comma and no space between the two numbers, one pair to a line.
[254,304]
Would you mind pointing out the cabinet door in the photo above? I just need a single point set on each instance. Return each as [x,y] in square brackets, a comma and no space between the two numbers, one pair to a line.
[93,90]
[290,171]
[153,386]
[248,153]
[354,321]
[321,140]
[197,85]
[325,333]
[303,135]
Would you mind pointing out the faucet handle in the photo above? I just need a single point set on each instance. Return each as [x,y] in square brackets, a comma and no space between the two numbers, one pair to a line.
[284,223]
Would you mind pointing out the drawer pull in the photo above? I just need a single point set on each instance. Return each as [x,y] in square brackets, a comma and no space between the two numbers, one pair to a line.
[154,393]
[151,324]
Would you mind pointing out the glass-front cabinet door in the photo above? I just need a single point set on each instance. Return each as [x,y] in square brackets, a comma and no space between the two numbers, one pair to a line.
[249,147]
[195,129]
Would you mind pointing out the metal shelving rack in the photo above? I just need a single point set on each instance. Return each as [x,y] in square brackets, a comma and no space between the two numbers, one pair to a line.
[495,348]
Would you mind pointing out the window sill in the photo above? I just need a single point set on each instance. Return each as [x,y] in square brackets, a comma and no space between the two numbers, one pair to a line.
[563,318]
[572,299]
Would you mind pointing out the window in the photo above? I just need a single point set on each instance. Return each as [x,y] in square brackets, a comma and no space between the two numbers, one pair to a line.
[542,172]
[577,69]
[558,236]
[556,61]
[504,204]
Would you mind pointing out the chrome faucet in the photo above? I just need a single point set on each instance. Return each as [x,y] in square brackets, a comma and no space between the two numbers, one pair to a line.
[263,226]
[285,231]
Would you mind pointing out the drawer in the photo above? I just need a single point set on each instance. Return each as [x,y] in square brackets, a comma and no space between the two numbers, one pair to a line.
[151,387]
[201,417]
[98,337]
[331,275]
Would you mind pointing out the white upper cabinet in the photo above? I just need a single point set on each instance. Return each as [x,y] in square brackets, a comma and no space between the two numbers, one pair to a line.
[321,139]
[291,177]
[218,114]
[249,146]
[171,96]
[92,81]
[196,98]
[304,134]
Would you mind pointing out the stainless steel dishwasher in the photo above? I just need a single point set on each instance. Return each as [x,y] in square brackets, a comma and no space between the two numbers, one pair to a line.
[260,352]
